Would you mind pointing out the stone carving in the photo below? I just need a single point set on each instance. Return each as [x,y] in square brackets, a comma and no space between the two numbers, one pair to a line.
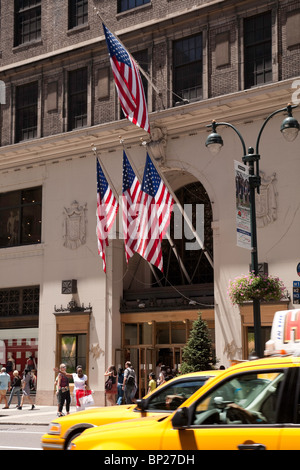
[231,350]
[96,351]
[74,225]
[266,201]
[158,143]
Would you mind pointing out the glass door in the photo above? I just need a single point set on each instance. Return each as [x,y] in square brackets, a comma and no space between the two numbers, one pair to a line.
[73,351]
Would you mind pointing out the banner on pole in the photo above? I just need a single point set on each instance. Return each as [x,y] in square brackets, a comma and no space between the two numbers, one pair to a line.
[242,197]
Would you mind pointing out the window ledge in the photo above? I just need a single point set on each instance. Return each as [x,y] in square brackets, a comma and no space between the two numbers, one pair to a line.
[23,251]
[78,29]
[122,14]
[27,45]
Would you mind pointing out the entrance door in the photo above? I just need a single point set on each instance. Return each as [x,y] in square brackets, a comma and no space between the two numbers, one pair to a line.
[73,351]
[170,357]
[147,365]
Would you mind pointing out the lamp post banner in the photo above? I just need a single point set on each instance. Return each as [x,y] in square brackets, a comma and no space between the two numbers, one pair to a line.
[242,198]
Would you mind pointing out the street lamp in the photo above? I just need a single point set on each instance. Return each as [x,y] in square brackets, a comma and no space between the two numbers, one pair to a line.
[214,143]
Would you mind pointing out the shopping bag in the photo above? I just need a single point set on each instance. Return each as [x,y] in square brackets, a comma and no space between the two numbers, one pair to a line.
[87,400]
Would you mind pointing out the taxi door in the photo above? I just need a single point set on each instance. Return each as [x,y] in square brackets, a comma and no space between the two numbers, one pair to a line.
[222,438]
[245,410]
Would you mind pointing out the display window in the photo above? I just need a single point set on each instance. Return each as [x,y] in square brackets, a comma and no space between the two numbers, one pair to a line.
[19,349]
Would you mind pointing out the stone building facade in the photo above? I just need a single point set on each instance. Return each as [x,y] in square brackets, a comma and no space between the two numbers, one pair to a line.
[232,61]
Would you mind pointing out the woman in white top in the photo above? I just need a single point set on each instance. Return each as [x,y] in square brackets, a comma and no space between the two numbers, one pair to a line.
[80,386]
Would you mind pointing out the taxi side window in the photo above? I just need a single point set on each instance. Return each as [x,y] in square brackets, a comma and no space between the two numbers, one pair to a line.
[245,399]
[170,398]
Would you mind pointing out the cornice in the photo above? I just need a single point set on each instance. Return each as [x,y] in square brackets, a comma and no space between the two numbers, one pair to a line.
[186,120]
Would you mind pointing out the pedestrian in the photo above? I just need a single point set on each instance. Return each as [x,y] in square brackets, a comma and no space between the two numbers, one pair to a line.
[80,387]
[4,386]
[112,390]
[120,385]
[152,383]
[63,388]
[129,383]
[158,369]
[16,388]
[162,375]
[26,388]
[169,374]
[30,363]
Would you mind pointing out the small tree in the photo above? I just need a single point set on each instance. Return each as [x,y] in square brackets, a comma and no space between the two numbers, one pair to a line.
[198,353]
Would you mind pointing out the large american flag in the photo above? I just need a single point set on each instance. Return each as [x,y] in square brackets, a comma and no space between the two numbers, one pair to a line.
[154,217]
[128,82]
[131,195]
[107,209]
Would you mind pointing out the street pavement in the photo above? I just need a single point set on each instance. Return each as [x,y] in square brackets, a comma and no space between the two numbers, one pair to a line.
[41,415]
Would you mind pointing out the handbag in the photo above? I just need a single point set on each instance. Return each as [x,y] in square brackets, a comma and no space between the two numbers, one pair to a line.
[108,384]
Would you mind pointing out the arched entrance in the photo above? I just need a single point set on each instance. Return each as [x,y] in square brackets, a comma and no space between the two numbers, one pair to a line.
[158,309]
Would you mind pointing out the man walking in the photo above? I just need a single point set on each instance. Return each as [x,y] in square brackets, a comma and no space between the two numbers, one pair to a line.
[4,386]
[129,383]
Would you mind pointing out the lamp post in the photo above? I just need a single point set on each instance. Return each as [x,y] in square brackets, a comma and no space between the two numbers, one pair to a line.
[214,142]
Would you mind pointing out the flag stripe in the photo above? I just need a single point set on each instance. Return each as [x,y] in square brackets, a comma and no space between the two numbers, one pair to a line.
[131,199]
[107,209]
[154,218]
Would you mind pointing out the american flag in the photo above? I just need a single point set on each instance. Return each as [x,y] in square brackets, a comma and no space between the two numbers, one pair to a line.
[128,82]
[132,192]
[107,209]
[155,213]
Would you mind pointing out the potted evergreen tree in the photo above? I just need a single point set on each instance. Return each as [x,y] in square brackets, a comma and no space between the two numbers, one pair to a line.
[198,353]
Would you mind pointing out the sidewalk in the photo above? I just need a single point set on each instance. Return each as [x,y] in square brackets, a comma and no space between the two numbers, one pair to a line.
[41,415]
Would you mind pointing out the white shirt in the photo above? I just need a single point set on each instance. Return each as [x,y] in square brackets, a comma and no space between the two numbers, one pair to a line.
[79,382]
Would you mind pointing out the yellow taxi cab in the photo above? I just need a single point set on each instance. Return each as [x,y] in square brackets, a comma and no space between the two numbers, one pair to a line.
[251,405]
[161,402]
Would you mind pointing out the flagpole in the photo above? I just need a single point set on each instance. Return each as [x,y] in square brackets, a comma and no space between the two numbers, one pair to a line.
[173,246]
[94,149]
[138,66]
[180,208]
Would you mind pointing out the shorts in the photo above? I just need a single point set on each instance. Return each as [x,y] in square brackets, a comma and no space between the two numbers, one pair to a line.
[2,393]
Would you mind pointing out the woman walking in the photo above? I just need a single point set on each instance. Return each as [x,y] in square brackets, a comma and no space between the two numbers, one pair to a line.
[63,390]
[16,388]
[111,392]
[26,386]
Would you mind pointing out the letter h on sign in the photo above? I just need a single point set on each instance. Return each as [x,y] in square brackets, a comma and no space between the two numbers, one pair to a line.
[292,327]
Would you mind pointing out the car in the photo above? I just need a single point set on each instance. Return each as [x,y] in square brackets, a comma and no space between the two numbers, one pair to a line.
[251,405]
[161,402]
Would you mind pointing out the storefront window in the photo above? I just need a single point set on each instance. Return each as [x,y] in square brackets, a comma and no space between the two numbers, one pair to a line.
[19,349]
[131,334]
[162,333]
[145,333]
[265,336]
[73,351]
[178,332]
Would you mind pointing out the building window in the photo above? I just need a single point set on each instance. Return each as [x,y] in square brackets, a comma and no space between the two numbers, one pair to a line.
[26,111]
[20,217]
[73,351]
[196,203]
[258,50]
[78,13]
[187,60]
[19,301]
[77,109]
[124,5]
[27,21]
